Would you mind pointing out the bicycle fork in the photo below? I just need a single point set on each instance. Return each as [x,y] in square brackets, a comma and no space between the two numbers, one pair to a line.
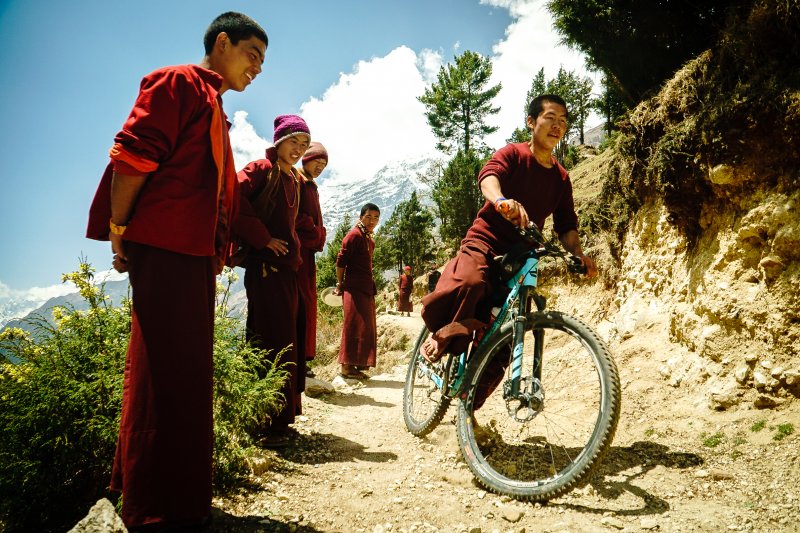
[524,396]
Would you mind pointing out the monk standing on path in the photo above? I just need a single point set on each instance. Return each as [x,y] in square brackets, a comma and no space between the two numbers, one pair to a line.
[270,195]
[312,235]
[165,202]
[355,283]
[406,283]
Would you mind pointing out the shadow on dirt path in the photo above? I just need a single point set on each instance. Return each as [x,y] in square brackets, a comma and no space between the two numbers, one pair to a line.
[625,465]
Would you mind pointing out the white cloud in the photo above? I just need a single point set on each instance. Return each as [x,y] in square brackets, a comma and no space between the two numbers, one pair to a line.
[35,293]
[530,43]
[429,63]
[245,142]
[371,116]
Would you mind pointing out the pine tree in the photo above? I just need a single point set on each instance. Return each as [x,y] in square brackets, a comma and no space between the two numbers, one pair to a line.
[458,103]
[610,104]
[457,195]
[406,238]
[640,44]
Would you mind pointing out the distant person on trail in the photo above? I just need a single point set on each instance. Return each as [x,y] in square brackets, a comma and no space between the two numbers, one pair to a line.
[521,182]
[355,283]
[165,202]
[406,283]
[311,233]
[270,196]
[433,278]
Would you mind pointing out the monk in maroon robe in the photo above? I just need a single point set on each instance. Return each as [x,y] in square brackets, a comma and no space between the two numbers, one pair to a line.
[406,286]
[357,287]
[311,233]
[270,197]
[521,182]
[165,202]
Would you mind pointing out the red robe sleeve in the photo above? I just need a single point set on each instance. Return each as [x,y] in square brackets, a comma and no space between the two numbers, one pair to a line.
[248,225]
[564,216]
[306,231]
[502,164]
[167,101]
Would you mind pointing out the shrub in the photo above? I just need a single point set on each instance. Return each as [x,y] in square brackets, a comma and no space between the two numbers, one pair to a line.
[59,409]
[60,404]
[241,397]
[783,431]
[329,333]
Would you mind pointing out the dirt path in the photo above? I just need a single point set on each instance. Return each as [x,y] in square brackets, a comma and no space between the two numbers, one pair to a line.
[674,466]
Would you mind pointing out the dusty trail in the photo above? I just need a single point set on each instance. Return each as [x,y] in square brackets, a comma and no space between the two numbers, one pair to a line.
[354,467]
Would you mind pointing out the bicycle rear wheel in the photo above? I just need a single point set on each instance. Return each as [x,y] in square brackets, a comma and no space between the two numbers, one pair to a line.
[424,405]
[542,447]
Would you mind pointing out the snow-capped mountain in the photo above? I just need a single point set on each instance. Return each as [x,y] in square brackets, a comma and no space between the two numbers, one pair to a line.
[391,185]
[17,305]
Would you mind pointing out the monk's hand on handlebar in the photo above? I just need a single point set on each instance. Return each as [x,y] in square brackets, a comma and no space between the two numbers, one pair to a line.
[512,211]
[532,234]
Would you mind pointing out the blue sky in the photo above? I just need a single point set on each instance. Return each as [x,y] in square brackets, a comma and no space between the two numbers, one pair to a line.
[353,69]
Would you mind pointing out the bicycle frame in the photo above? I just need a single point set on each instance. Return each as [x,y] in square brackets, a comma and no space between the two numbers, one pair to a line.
[520,286]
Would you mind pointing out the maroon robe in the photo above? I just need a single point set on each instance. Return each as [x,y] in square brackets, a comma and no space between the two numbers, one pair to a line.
[162,463]
[177,136]
[359,331]
[451,310]
[270,280]
[312,235]
[404,304]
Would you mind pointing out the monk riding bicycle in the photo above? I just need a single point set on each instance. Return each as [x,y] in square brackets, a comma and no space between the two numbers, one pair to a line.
[542,383]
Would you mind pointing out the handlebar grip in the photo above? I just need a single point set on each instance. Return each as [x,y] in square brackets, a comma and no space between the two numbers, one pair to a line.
[575,265]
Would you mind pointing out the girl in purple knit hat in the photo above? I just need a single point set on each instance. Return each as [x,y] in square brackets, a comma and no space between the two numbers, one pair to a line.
[270,197]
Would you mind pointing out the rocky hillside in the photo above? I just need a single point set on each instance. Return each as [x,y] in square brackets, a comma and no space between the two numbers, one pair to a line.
[695,215]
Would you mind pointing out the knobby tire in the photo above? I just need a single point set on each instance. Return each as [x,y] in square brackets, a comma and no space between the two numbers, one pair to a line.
[559,448]
[424,405]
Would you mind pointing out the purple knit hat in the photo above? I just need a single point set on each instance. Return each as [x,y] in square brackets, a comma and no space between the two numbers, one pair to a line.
[315,151]
[288,126]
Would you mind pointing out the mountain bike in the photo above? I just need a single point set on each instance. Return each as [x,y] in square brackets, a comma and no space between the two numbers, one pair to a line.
[538,391]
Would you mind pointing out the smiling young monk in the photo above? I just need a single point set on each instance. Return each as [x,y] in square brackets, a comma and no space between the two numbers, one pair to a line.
[165,202]
[270,196]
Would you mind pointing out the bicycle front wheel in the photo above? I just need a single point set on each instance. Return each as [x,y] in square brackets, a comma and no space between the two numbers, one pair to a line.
[424,405]
[548,439]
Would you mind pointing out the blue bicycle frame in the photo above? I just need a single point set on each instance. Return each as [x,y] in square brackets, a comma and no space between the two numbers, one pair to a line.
[519,285]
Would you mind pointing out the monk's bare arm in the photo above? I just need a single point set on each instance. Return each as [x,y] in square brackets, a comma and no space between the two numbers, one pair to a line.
[572,243]
[124,192]
[508,207]
[339,280]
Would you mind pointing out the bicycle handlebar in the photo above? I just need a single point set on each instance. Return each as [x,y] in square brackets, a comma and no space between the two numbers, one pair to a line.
[532,234]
